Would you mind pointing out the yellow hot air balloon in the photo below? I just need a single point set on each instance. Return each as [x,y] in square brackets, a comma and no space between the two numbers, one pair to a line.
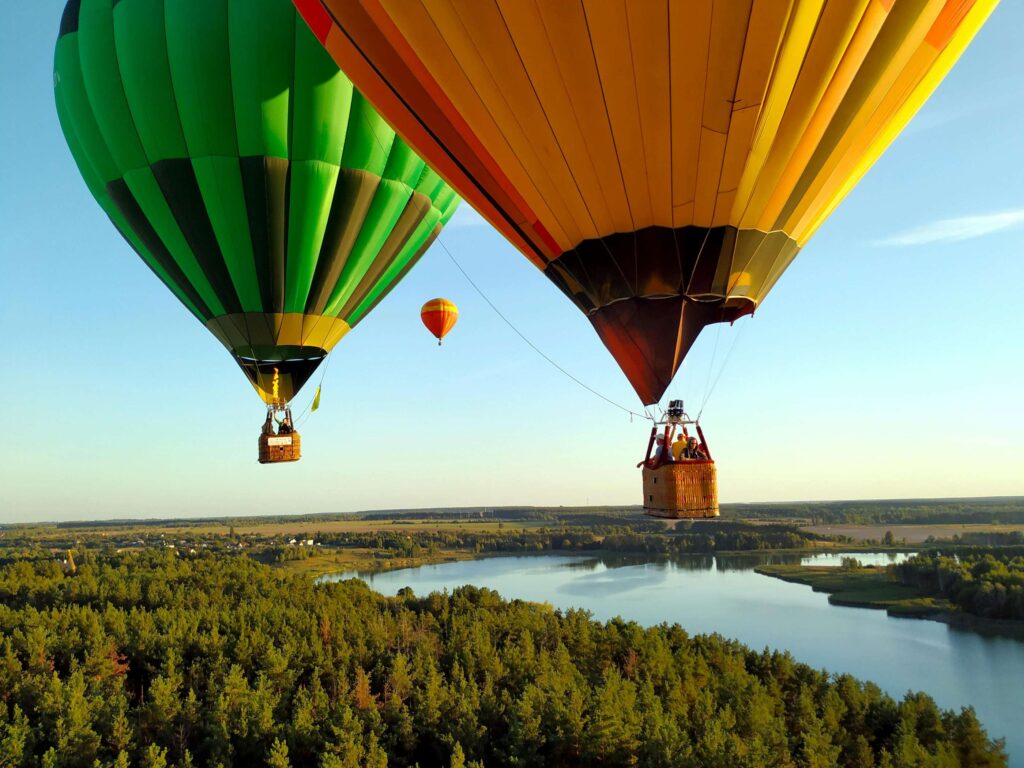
[662,161]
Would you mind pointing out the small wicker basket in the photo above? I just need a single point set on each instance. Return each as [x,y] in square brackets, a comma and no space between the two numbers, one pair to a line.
[279,448]
[681,490]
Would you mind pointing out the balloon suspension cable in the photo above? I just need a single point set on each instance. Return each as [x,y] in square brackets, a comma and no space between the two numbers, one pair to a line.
[533,346]
[711,364]
[725,362]
[307,411]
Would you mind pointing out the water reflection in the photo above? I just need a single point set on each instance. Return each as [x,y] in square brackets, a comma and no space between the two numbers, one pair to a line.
[730,562]
[592,563]
[865,558]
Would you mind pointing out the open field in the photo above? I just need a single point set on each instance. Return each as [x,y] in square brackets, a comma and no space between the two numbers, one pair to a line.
[911,519]
[911,534]
[410,525]
[366,560]
[278,527]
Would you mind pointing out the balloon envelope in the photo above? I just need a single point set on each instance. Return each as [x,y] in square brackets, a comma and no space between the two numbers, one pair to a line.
[661,161]
[246,171]
[439,316]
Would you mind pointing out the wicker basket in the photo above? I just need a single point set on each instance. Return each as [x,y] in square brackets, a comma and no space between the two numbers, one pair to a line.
[685,489]
[279,448]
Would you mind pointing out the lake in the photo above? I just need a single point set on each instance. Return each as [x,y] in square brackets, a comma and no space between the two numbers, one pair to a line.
[706,594]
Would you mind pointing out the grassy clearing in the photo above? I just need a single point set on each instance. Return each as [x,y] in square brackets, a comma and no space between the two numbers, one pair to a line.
[868,587]
[367,560]
[411,525]
[280,528]
[911,534]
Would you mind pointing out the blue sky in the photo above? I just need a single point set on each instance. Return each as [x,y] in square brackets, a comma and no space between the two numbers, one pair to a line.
[888,361]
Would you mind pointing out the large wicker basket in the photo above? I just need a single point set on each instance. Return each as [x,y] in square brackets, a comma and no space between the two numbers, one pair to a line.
[685,489]
[278,448]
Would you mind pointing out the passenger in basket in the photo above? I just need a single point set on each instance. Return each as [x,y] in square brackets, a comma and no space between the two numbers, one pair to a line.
[661,453]
[678,447]
[692,451]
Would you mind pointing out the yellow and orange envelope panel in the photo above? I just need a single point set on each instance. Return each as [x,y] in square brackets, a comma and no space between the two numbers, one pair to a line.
[663,161]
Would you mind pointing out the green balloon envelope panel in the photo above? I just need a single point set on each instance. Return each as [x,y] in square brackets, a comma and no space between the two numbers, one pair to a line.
[242,166]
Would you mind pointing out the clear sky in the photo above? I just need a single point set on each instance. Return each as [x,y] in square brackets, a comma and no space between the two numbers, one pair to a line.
[888,361]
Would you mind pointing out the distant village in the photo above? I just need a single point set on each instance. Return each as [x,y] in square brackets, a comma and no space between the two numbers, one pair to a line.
[182,545]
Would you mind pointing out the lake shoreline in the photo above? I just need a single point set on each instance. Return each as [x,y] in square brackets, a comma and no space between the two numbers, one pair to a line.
[868,588]
[356,560]
[898,601]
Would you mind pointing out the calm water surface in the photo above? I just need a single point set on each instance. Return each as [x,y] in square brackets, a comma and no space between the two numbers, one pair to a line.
[724,595]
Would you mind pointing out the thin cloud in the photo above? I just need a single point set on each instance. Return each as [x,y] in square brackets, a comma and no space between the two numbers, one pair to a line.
[957,229]
[944,109]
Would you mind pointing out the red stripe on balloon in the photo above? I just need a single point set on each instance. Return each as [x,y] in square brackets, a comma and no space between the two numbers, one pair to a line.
[316,16]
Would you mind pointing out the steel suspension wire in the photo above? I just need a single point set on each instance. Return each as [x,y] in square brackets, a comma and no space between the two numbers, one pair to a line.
[498,312]
[307,411]
[529,343]
[725,362]
[711,364]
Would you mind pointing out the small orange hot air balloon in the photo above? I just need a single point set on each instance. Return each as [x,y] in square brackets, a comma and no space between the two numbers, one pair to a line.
[439,315]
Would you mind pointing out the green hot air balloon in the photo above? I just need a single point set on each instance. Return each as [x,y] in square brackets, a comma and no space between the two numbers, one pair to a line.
[243,167]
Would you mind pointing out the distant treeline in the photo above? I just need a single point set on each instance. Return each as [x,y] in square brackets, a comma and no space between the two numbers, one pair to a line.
[988,583]
[157,660]
[701,538]
[573,515]
[990,539]
[910,511]
[580,515]
[995,510]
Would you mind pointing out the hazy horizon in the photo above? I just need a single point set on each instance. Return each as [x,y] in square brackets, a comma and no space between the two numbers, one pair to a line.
[493,507]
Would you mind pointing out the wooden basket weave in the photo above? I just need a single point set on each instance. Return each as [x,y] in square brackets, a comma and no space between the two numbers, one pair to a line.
[685,489]
[278,448]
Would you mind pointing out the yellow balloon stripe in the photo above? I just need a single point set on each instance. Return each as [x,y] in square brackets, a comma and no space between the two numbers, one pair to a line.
[975,18]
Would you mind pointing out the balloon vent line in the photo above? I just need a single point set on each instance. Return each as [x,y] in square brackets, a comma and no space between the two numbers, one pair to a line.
[530,344]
